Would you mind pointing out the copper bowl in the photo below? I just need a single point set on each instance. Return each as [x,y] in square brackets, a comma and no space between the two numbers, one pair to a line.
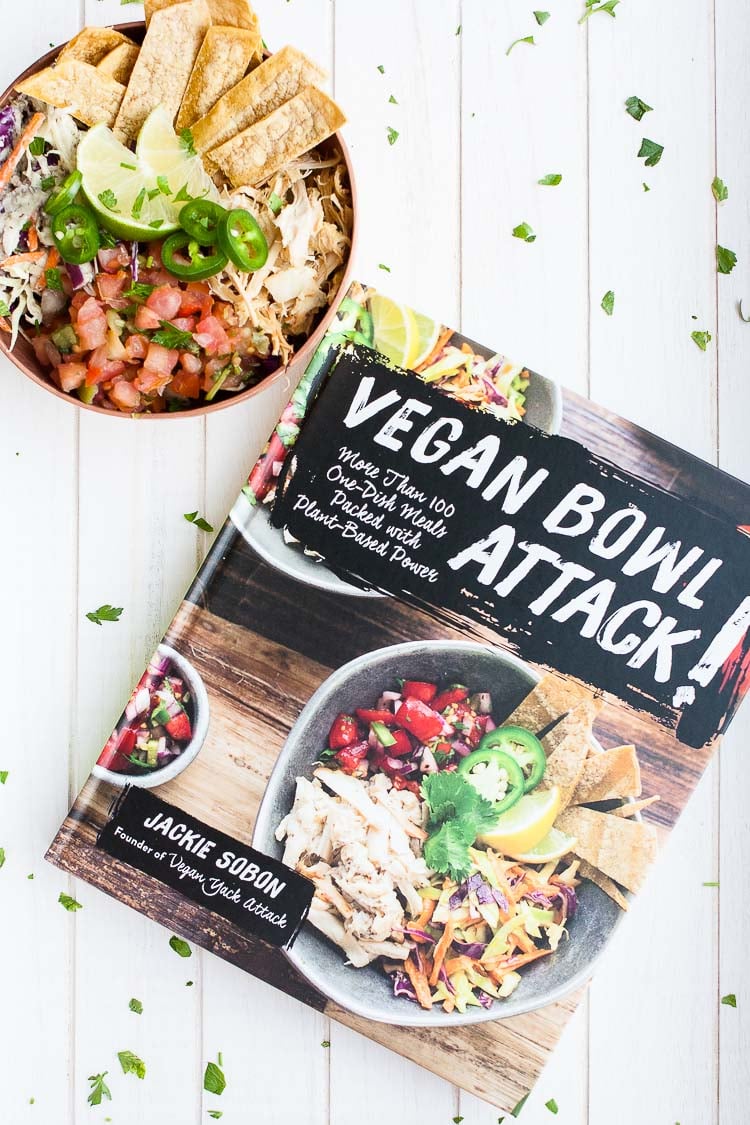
[23,355]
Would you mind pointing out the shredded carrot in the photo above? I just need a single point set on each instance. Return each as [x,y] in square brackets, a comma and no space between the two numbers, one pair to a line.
[449,1004]
[53,257]
[19,259]
[456,964]
[502,968]
[441,949]
[419,981]
[524,942]
[9,167]
[4,324]
[32,238]
[427,911]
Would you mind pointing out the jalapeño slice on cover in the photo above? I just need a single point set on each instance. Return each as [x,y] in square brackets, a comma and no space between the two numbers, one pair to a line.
[495,775]
[521,745]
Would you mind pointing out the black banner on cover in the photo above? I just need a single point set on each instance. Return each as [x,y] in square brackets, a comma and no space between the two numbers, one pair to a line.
[579,565]
[259,894]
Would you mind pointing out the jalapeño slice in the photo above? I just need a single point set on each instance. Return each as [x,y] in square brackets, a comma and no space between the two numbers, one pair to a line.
[522,745]
[242,240]
[200,219]
[64,195]
[184,257]
[76,234]
[495,775]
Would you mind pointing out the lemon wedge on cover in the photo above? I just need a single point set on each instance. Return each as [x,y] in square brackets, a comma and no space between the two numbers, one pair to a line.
[555,845]
[428,332]
[396,333]
[525,824]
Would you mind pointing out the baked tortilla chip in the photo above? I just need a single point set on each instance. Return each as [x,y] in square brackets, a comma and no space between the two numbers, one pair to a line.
[614,773]
[93,44]
[222,61]
[289,132]
[84,91]
[274,82]
[594,875]
[119,63]
[165,63]
[633,807]
[565,765]
[550,699]
[579,722]
[229,13]
[622,849]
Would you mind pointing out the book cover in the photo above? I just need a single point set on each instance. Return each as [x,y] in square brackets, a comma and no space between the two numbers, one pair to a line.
[430,708]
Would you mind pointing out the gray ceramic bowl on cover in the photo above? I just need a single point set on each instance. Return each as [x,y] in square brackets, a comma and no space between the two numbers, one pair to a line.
[368,992]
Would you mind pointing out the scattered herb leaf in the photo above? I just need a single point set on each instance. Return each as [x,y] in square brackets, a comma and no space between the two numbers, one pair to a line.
[47,183]
[646,187]
[183,195]
[457,1120]
[216,1113]
[608,302]
[188,984]
[325,1043]
[458,29]
[720,190]
[710,884]
[458,813]
[636,107]
[730,1000]
[214,1081]
[105,613]
[108,199]
[131,1064]
[3,776]
[175,338]
[180,947]
[187,140]
[392,100]
[4,311]
[384,267]
[157,224]
[551,1105]
[99,1089]
[136,1006]
[702,339]
[593,6]
[69,903]
[193,517]
[381,68]
[128,167]
[37,146]
[525,39]
[552,179]
[163,185]
[139,291]
[726,260]
[651,151]
[276,203]
[2,856]
[515,1112]
[393,135]
[524,231]
[542,17]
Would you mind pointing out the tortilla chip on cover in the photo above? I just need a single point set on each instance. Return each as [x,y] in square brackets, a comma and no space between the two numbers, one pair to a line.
[222,62]
[230,13]
[565,765]
[633,807]
[268,86]
[119,63]
[613,773]
[164,65]
[622,849]
[93,44]
[594,875]
[87,94]
[550,699]
[579,722]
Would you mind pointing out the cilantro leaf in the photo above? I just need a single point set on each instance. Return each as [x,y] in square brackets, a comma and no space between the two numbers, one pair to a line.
[163,185]
[592,7]
[392,100]
[99,1089]
[457,1119]
[47,183]
[193,517]
[276,203]
[170,337]
[636,107]
[216,1113]
[3,776]
[69,903]
[4,310]
[608,302]
[187,141]
[139,291]
[542,17]
[393,135]
[646,187]
[131,1064]
[325,1043]
[108,199]
[214,1081]
[651,151]
[136,1006]
[183,195]
[726,260]
[730,1000]
[551,1105]
[552,179]
[525,39]
[524,231]
[720,190]
[458,814]
[381,68]
[446,851]
[105,613]
[54,279]
[37,146]
[2,856]
[384,267]
[702,339]
[515,1112]
[180,947]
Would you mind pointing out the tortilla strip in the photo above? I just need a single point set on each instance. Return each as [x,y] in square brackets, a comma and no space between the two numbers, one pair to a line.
[93,44]
[633,807]
[162,72]
[229,13]
[119,63]
[89,95]
[594,875]
[222,61]
[579,721]
[615,773]
[550,699]
[289,132]
[622,849]
[565,765]
[274,82]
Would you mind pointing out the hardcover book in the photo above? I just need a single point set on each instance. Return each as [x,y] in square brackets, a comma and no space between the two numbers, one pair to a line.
[434,701]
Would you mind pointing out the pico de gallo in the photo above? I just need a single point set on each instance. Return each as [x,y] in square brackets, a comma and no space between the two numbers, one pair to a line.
[157,723]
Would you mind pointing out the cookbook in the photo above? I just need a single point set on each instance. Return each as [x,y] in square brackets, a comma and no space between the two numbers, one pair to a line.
[434,701]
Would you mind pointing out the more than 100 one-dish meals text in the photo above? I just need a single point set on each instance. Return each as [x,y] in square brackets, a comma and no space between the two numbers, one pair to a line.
[170,228]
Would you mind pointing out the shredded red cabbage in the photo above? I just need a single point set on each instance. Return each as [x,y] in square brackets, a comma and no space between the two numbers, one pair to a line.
[484,999]
[402,986]
[473,949]
[443,976]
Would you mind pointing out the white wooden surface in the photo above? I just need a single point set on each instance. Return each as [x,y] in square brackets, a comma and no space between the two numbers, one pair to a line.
[92,512]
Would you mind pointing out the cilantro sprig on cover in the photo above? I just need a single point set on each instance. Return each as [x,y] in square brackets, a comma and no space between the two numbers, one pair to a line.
[458,814]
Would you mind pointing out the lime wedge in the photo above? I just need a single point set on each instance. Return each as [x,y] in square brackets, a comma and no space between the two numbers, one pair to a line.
[396,333]
[131,197]
[428,332]
[554,845]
